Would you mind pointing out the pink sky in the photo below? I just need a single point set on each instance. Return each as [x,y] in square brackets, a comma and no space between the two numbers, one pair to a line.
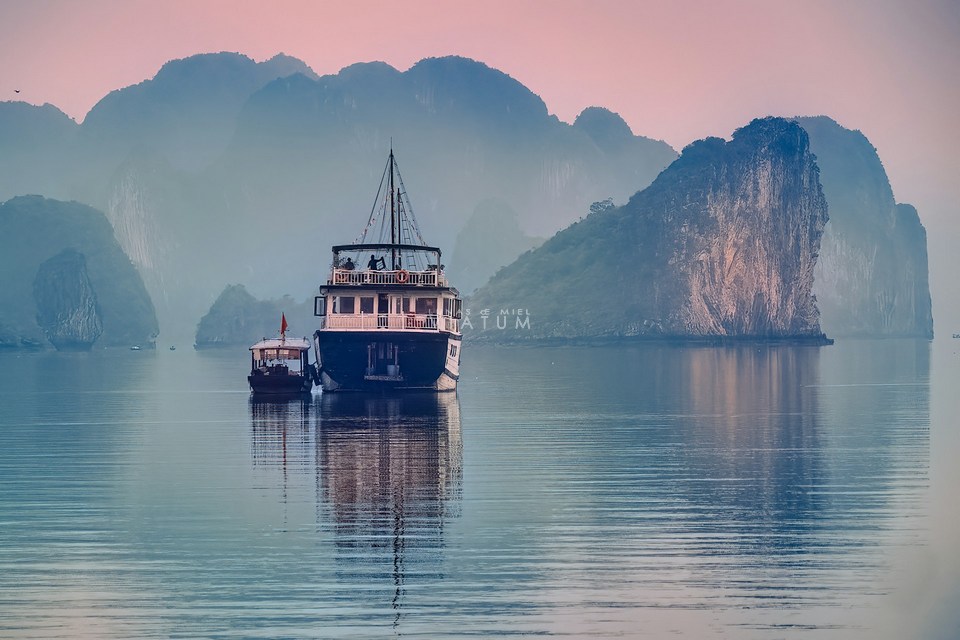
[676,70]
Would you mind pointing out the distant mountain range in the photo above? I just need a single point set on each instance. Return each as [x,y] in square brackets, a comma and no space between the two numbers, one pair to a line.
[221,169]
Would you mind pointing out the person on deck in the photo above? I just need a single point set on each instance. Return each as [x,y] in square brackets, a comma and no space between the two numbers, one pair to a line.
[348,265]
[375,263]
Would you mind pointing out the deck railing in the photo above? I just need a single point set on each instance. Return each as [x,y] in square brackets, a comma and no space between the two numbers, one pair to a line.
[389,322]
[429,278]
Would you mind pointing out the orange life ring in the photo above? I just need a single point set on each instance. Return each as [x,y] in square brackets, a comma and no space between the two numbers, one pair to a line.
[402,276]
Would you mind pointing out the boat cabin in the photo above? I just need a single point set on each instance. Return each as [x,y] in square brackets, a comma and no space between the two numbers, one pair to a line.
[417,298]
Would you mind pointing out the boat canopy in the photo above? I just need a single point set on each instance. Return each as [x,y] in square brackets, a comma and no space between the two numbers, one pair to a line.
[384,246]
[276,348]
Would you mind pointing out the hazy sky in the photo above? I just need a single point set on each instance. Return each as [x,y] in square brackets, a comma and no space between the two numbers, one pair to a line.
[675,70]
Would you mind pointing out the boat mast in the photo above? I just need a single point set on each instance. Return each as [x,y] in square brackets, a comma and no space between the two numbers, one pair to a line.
[393,232]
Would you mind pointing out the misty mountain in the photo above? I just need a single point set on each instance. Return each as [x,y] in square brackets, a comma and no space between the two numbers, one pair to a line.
[67,279]
[490,239]
[186,113]
[38,150]
[463,133]
[624,158]
[872,277]
[222,169]
[722,244]
[313,152]
[237,319]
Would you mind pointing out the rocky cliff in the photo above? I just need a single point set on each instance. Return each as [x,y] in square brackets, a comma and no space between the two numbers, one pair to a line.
[723,244]
[871,279]
[67,309]
[33,230]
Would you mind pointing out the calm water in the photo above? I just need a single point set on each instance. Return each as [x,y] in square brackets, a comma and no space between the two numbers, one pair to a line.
[579,492]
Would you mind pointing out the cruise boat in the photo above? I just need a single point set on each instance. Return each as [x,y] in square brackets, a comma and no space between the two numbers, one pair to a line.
[389,319]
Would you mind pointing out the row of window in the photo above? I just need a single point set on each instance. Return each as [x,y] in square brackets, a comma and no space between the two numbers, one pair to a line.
[401,305]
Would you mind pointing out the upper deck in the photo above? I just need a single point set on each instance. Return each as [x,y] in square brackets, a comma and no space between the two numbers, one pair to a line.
[424,269]
[363,277]
[397,299]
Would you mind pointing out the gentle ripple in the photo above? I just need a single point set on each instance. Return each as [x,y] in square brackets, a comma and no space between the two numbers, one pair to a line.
[620,491]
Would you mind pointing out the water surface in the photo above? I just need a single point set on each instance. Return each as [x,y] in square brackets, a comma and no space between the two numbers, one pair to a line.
[634,491]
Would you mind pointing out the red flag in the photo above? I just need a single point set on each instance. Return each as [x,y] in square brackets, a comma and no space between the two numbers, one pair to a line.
[283,325]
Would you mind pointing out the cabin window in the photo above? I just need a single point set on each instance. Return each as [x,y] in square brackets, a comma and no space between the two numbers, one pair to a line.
[405,307]
[319,306]
[343,304]
[448,307]
[427,306]
[366,304]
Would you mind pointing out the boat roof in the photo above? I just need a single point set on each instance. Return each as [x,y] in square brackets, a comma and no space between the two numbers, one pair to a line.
[276,343]
[384,246]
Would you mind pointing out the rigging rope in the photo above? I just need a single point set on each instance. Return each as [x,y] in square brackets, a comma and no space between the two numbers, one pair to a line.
[407,225]
[373,209]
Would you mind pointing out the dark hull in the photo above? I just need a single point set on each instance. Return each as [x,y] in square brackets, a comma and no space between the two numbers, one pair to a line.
[345,360]
[279,385]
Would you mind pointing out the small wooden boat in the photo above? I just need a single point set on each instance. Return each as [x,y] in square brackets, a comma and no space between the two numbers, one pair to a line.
[280,366]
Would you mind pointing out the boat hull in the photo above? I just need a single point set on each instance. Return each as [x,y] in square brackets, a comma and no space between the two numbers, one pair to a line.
[279,385]
[424,360]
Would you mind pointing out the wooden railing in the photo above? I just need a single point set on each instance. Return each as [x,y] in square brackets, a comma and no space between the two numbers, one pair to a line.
[389,322]
[430,278]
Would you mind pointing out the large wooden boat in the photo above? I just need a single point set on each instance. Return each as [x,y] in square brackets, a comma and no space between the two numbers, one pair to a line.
[389,319]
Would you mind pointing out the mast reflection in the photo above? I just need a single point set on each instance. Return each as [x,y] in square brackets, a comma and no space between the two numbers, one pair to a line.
[282,436]
[281,428]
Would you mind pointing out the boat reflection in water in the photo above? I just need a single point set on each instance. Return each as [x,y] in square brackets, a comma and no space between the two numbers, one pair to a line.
[382,453]
[386,480]
[282,438]
[393,481]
